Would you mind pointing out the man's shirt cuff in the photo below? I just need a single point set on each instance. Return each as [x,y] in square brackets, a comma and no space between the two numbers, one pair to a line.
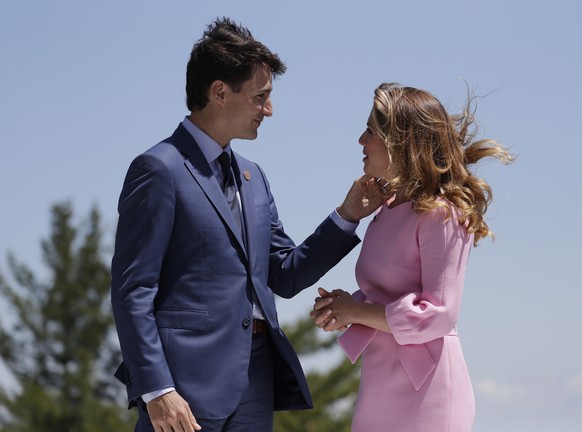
[344,225]
[152,395]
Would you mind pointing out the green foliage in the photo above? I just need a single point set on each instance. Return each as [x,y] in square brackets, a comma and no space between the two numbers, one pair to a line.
[59,344]
[333,388]
[58,340]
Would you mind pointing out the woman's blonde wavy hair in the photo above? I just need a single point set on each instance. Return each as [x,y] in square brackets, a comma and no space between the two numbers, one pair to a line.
[430,152]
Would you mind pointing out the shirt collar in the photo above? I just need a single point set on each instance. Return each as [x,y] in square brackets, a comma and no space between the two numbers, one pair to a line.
[210,148]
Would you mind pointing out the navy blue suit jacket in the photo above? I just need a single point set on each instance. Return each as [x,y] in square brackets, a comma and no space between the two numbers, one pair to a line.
[182,279]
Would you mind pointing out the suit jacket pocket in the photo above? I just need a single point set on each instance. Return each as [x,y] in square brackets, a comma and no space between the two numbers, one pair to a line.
[188,319]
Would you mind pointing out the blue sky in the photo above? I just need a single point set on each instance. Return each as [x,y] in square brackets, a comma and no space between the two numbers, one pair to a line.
[86,86]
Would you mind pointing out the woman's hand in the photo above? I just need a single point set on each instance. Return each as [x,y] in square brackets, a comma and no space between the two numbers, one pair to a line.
[334,310]
[337,309]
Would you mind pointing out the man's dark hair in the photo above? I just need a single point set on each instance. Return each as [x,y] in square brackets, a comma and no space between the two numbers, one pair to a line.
[227,52]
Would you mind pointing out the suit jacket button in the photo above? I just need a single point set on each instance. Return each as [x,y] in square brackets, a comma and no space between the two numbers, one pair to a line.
[246,323]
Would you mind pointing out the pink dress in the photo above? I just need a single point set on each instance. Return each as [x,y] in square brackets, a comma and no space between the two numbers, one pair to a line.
[414,379]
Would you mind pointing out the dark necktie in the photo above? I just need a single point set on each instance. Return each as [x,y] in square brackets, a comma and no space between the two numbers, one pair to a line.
[229,188]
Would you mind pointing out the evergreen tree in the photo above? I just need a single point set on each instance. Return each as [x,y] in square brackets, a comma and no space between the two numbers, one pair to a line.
[58,340]
[59,344]
[333,388]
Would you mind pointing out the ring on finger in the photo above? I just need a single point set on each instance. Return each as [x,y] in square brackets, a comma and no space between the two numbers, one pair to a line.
[385,188]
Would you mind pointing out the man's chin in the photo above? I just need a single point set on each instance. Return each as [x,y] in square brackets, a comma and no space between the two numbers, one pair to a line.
[248,137]
[251,136]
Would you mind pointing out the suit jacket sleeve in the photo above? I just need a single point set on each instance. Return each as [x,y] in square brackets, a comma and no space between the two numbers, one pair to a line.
[291,268]
[146,212]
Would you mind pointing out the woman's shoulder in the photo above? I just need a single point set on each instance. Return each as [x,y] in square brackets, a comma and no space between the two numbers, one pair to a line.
[443,212]
[444,219]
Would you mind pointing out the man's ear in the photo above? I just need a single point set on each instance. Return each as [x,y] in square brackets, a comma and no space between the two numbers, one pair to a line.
[217,92]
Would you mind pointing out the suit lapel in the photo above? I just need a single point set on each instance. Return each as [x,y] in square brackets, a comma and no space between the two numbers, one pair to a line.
[248,203]
[202,173]
[243,169]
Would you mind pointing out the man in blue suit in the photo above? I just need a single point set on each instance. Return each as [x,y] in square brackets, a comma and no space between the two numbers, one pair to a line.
[200,250]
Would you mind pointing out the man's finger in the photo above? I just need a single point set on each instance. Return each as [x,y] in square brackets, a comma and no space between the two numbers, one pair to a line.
[192,423]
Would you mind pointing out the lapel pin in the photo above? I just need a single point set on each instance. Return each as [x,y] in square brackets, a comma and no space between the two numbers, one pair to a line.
[247,175]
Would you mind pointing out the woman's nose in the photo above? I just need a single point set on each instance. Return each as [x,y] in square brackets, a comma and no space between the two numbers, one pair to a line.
[362,140]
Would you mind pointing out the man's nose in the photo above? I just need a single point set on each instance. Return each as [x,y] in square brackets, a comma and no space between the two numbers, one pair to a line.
[267,108]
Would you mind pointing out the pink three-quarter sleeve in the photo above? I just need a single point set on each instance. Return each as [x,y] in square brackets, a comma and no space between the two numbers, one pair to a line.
[432,312]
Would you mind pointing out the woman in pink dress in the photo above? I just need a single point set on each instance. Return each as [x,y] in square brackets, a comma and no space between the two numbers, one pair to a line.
[411,267]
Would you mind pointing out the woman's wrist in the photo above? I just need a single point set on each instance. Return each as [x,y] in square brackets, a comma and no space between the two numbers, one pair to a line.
[371,315]
[359,312]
